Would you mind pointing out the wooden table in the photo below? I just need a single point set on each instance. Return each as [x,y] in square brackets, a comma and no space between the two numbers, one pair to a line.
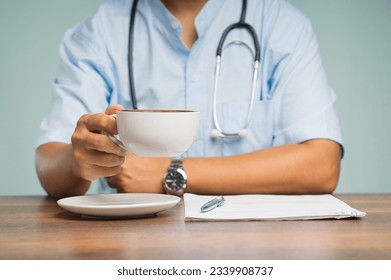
[34,227]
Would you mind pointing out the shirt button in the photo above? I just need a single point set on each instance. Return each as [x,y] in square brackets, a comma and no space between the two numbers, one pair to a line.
[194,78]
[174,25]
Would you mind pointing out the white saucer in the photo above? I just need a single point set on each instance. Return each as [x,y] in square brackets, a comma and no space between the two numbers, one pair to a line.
[124,205]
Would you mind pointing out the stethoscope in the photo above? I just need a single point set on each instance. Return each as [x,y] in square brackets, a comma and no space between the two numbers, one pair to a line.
[241,24]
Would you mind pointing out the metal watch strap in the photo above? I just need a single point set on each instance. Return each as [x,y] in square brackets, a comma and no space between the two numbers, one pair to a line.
[177,165]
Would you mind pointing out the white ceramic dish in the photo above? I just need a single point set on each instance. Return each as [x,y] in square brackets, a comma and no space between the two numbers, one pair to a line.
[119,205]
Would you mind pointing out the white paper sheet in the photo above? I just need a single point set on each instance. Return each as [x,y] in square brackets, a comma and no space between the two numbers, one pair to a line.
[269,207]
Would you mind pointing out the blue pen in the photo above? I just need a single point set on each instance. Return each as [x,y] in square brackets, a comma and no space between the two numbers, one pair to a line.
[217,202]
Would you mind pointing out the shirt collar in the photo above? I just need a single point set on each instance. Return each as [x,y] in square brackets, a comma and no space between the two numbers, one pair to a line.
[207,15]
[202,22]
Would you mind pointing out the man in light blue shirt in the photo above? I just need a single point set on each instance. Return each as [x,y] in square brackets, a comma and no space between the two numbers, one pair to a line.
[293,142]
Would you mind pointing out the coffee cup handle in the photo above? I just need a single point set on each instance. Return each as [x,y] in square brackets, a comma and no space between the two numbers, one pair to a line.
[115,138]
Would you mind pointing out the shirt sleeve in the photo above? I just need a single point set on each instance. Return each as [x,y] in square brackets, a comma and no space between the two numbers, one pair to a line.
[81,87]
[304,102]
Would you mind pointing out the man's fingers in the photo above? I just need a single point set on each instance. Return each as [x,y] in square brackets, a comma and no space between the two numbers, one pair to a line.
[93,172]
[99,122]
[102,143]
[103,159]
[95,154]
[113,109]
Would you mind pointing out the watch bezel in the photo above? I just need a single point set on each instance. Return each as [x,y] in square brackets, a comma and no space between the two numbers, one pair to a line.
[181,190]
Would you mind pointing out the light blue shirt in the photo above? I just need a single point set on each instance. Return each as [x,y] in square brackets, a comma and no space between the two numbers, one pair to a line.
[294,101]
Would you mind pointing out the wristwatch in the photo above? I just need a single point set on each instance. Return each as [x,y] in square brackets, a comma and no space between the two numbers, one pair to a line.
[175,178]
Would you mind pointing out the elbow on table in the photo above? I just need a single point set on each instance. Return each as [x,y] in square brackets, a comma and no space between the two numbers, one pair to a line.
[325,168]
[327,180]
[328,185]
[325,183]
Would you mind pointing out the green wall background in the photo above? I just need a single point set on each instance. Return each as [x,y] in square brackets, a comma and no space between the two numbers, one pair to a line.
[355,43]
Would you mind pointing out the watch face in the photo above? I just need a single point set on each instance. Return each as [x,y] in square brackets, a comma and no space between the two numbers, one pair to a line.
[175,179]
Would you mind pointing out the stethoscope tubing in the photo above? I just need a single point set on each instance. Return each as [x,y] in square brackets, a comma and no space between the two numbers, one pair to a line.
[132,87]
[218,131]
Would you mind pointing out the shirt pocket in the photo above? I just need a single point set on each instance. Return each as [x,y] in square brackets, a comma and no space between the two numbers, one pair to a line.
[259,132]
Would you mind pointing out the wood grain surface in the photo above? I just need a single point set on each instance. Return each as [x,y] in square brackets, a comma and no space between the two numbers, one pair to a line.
[35,227]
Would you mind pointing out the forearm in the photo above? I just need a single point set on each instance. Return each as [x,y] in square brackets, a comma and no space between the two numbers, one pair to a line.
[54,168]
[311,167]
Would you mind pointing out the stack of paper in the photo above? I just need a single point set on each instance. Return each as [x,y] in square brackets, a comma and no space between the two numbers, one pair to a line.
[269,207]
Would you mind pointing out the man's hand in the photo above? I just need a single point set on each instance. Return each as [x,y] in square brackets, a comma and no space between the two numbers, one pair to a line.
[140,175]
[94,154]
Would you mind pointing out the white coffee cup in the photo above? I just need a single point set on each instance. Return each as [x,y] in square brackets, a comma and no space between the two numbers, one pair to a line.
[156,133]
